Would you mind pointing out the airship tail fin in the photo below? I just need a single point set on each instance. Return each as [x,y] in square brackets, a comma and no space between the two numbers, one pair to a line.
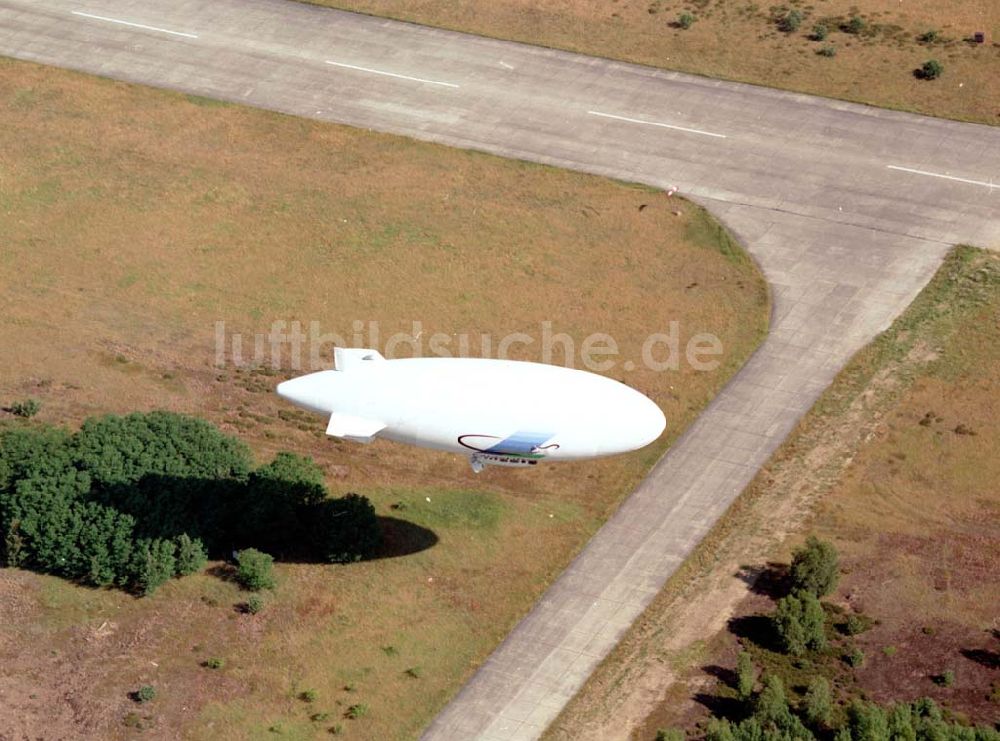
[358,429]
[346,358]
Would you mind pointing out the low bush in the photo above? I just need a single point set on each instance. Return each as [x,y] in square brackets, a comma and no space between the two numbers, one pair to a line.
[26,408]
[685,21]
[827,51]
[254,604]
[855,658]
[945,678]
[308,696]
[146,693]
[670,734]
[213,663]
[254,570]
[790,21]
[855,25]
[820,32]
[931,70]
[356,711]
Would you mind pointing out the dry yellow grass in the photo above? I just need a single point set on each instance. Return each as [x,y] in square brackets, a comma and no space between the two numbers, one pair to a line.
[132,219]
[741,41]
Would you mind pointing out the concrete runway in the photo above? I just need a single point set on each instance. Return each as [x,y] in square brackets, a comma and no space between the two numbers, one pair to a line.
[847,209]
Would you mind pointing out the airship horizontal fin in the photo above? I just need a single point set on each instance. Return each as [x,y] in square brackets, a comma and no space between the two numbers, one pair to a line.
[346,358]
[358,429]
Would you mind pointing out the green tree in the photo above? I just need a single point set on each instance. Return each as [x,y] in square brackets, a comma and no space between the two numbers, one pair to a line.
[787,622]
[33,452]
[346,529]
[815,567]
[719,729]
[867,722]
[901,723]
[191,556]
[745,675]
[813,622]
[124,449]
[818,702]
[153,563]
[254,570]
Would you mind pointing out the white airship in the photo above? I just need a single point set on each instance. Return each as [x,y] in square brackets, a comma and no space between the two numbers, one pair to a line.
[497,412]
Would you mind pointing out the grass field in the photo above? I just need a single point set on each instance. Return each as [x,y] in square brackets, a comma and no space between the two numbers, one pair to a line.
[742,41]
[131,220]
[895,466]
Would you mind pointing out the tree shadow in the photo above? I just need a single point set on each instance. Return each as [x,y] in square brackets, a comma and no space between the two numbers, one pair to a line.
[757,629]
[982,656]
[723,674]
[770,580]
[729,708]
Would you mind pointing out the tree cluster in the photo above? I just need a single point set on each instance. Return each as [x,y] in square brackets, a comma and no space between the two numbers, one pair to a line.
[799,621]
[770,717]
[133,500]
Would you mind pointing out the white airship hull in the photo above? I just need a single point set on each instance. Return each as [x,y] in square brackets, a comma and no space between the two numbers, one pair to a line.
[497,412]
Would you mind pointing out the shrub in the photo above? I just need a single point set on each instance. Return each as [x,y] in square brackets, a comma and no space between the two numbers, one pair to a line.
[146,693]
[818,702]
[931,69]
[889,650]
[26,408]
[820,32]
[319,717]
[929,36]
[790,21]
[855,25]
[414,672]
[213,663]
[856,624]
[356,711]
[308,696]
[745,678]
[945,678]
[336,729]
[855,658]
[191,556]
[254,604]
[685,21]
[254,570]
[670,734]
[815,567]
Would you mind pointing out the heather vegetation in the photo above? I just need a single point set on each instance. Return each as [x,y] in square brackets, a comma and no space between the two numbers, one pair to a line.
[131,501]
[806,657]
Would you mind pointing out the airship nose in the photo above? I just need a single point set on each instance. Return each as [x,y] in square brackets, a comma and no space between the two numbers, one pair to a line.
[306,392]
[652,423]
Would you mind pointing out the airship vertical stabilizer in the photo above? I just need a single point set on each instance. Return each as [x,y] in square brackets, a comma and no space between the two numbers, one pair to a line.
[347,358]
